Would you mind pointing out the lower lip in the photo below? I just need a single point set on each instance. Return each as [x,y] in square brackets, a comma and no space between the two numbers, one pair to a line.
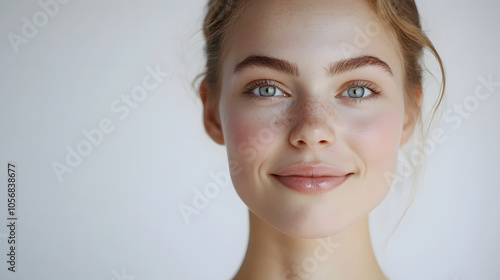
[311,185]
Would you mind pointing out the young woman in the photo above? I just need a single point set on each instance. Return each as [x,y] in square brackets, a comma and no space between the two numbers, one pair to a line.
[313,100]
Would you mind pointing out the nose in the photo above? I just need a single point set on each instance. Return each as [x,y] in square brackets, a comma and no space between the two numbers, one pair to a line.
[314,125]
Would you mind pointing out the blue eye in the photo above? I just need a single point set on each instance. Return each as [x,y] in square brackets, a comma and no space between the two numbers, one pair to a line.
[268,91]
[357,92]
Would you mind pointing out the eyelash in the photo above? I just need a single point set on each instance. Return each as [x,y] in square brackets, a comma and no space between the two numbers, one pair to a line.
[255,84]
[361,83]
[358,83]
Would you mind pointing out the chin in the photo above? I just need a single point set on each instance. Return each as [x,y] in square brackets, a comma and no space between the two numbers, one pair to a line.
[311,223]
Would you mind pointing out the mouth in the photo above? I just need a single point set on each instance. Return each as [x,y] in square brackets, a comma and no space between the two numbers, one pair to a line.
[312,185]
[311,179]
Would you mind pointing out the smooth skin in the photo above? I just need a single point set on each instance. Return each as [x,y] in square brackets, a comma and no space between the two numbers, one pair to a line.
[312,116]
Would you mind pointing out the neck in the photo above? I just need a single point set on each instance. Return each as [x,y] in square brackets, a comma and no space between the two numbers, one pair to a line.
[272,254]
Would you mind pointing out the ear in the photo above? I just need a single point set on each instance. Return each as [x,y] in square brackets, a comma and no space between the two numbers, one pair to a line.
[211,116]
[411,116]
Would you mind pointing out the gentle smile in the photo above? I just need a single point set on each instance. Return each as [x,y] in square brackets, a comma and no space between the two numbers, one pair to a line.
[314,185]
[312,179]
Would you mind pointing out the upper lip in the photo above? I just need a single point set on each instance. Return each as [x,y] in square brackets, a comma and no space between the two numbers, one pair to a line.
[310,170]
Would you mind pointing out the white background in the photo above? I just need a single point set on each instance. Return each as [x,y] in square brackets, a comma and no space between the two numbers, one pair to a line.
[116,214]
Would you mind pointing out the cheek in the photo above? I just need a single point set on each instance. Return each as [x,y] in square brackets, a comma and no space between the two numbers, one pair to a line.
[249,135]
[375,138]
[251,138]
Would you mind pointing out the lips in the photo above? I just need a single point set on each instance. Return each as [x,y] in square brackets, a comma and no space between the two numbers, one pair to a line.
[311,179]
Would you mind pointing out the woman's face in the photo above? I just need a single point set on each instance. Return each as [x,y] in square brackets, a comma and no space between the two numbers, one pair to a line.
[312,109]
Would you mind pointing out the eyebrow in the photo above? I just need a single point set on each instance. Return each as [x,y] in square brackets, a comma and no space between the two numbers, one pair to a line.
[268,62]
[350,64]
[290,68]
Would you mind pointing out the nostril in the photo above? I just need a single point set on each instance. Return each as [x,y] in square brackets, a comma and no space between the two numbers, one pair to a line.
[304,135]
[305,143]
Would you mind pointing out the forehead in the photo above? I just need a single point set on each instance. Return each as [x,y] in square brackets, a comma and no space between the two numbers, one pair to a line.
[310,32]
